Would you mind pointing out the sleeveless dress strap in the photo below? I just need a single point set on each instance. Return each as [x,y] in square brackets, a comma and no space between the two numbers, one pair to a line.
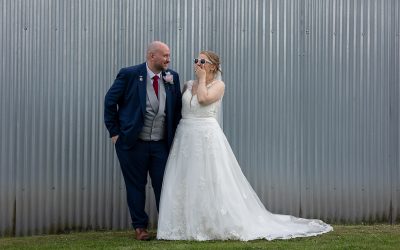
[189,84]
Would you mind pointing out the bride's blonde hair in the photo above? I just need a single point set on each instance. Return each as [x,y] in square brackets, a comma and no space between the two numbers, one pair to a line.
[214,58]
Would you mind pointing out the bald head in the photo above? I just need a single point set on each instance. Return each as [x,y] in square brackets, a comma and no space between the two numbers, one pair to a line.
[156,46]
[157,56]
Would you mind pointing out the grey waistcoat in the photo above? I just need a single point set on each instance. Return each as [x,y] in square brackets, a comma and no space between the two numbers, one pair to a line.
[154,119]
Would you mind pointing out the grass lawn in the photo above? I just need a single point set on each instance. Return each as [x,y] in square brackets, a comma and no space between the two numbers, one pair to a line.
[343,237]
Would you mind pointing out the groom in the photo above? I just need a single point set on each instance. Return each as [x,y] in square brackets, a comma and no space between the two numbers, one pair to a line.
[141,111]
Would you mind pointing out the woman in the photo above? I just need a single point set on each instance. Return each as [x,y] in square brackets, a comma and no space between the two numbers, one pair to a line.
[205,195]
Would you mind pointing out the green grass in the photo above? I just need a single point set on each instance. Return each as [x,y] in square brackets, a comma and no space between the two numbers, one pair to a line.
[343,237]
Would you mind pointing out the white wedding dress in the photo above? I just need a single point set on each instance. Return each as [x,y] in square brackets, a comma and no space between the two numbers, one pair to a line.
[205,195]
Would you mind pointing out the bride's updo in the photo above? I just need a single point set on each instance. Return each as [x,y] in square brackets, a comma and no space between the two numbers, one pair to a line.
[214,58]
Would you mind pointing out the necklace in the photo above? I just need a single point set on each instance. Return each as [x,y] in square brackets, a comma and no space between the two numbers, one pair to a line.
[210,84]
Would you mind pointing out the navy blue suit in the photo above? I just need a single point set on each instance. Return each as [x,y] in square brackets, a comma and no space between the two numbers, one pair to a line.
[124,111]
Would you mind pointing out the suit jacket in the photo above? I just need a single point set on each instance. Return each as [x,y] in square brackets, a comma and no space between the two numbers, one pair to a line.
[125,105]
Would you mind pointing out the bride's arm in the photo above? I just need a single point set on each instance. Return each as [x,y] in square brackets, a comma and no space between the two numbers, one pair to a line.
[209,95]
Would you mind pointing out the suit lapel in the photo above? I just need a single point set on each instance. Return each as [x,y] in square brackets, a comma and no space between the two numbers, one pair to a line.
[162,96]
[167,96]
[142,74]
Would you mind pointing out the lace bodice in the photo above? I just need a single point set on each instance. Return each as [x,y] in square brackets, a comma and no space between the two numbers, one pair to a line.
[191,108]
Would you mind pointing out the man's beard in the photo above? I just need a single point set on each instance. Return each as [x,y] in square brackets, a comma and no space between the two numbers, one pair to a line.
[161,66]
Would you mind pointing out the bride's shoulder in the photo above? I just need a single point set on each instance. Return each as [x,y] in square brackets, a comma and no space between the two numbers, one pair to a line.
[219,84]
[187,85]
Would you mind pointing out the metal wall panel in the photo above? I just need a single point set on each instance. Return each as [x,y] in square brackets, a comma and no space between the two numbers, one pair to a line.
[394,92]
[311,107]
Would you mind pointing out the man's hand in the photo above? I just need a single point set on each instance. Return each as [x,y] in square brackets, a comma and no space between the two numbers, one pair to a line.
[114,139]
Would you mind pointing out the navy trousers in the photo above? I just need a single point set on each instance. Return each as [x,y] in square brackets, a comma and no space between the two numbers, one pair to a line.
[145,157]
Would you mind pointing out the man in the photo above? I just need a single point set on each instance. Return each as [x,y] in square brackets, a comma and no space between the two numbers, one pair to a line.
[141,112]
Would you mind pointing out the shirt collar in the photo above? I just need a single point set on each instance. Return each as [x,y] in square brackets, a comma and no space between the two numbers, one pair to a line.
[151,73]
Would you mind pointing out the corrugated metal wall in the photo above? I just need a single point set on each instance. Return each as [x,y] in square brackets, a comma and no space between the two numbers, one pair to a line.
[311,106]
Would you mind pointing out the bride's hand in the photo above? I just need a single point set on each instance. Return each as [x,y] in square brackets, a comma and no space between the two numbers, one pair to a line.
[200,72]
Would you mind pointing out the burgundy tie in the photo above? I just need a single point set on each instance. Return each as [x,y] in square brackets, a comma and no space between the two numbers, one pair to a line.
[155,84]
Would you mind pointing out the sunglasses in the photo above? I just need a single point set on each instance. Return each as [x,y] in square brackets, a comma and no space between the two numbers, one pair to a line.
[202,61]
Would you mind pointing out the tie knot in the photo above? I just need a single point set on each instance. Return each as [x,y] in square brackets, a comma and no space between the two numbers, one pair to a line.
[155,77]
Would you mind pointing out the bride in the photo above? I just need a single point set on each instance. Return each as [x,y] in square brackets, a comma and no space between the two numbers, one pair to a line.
[205,195]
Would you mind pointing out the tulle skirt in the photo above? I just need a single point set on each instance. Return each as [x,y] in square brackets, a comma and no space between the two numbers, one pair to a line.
[205,195]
